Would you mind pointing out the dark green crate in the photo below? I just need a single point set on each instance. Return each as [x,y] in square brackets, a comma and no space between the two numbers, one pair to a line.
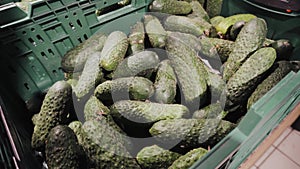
[31,48]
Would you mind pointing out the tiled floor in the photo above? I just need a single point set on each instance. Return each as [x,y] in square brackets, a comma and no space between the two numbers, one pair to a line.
[283,154]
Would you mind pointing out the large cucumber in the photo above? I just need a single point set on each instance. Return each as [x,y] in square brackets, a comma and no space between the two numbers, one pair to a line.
[190,70]
[146,112]
[279,71]
[251,38]
[54,111]
[191,133]
[248,76]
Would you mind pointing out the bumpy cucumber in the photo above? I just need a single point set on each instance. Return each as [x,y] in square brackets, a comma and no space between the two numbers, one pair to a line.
[114,50]
[147,112]
[105,147]
[214,7]
[191,133]
[90,77]
[74,59]
[187,160]
[184,24]
[63,149]
[190,70]
[154,157]
[279,71]
[198,11]
[248,76]
[76,126]
[171,7]
[136,88]
[137,37]
[216,20]
[165,83]
[227,22]
[54,111]
[155,31]
[223,47]
[138,64]
[213,111]
[251,38]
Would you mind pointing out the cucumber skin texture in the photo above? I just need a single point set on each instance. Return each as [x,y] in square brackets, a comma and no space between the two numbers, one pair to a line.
[281,69]
[137,37]
[248,76]
[147,112]
[250,39]
[212,111]
[185,61]
[216,20]
[165,83]
[137,64]
[63,149]
[224,25]
[191,133]
[74,59]
[105,147]
[198,11]
[171,7]
[76,126]
[214,7]
[136,88]
[155,31]
[114,50]
[94,109]
[185,25]
[223,47]
[54,111]
[90,77]
[187,160]
[154,157]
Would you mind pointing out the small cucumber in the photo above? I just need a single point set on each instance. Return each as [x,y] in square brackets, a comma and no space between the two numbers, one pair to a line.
[136,88]
[138,64]
[165,83]
[137,37]
[155,31]
[114,50]
[171,7]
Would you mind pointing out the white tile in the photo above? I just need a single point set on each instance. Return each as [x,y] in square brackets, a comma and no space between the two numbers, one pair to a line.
[291,147]
[264,156]
[278,160]
[282,136]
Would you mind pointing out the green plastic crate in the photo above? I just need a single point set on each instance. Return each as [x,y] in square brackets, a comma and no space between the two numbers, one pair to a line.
[33,43]
[31,48]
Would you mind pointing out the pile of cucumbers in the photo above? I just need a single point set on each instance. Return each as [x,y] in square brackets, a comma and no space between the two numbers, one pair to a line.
[161,96]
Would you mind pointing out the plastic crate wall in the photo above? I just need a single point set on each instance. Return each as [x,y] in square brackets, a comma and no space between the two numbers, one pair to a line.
[31,48]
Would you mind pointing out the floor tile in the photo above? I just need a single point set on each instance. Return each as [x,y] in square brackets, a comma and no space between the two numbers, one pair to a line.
[278,160]
[282,136]
[253,167]
[264,156]
[297,132]
[291,147]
